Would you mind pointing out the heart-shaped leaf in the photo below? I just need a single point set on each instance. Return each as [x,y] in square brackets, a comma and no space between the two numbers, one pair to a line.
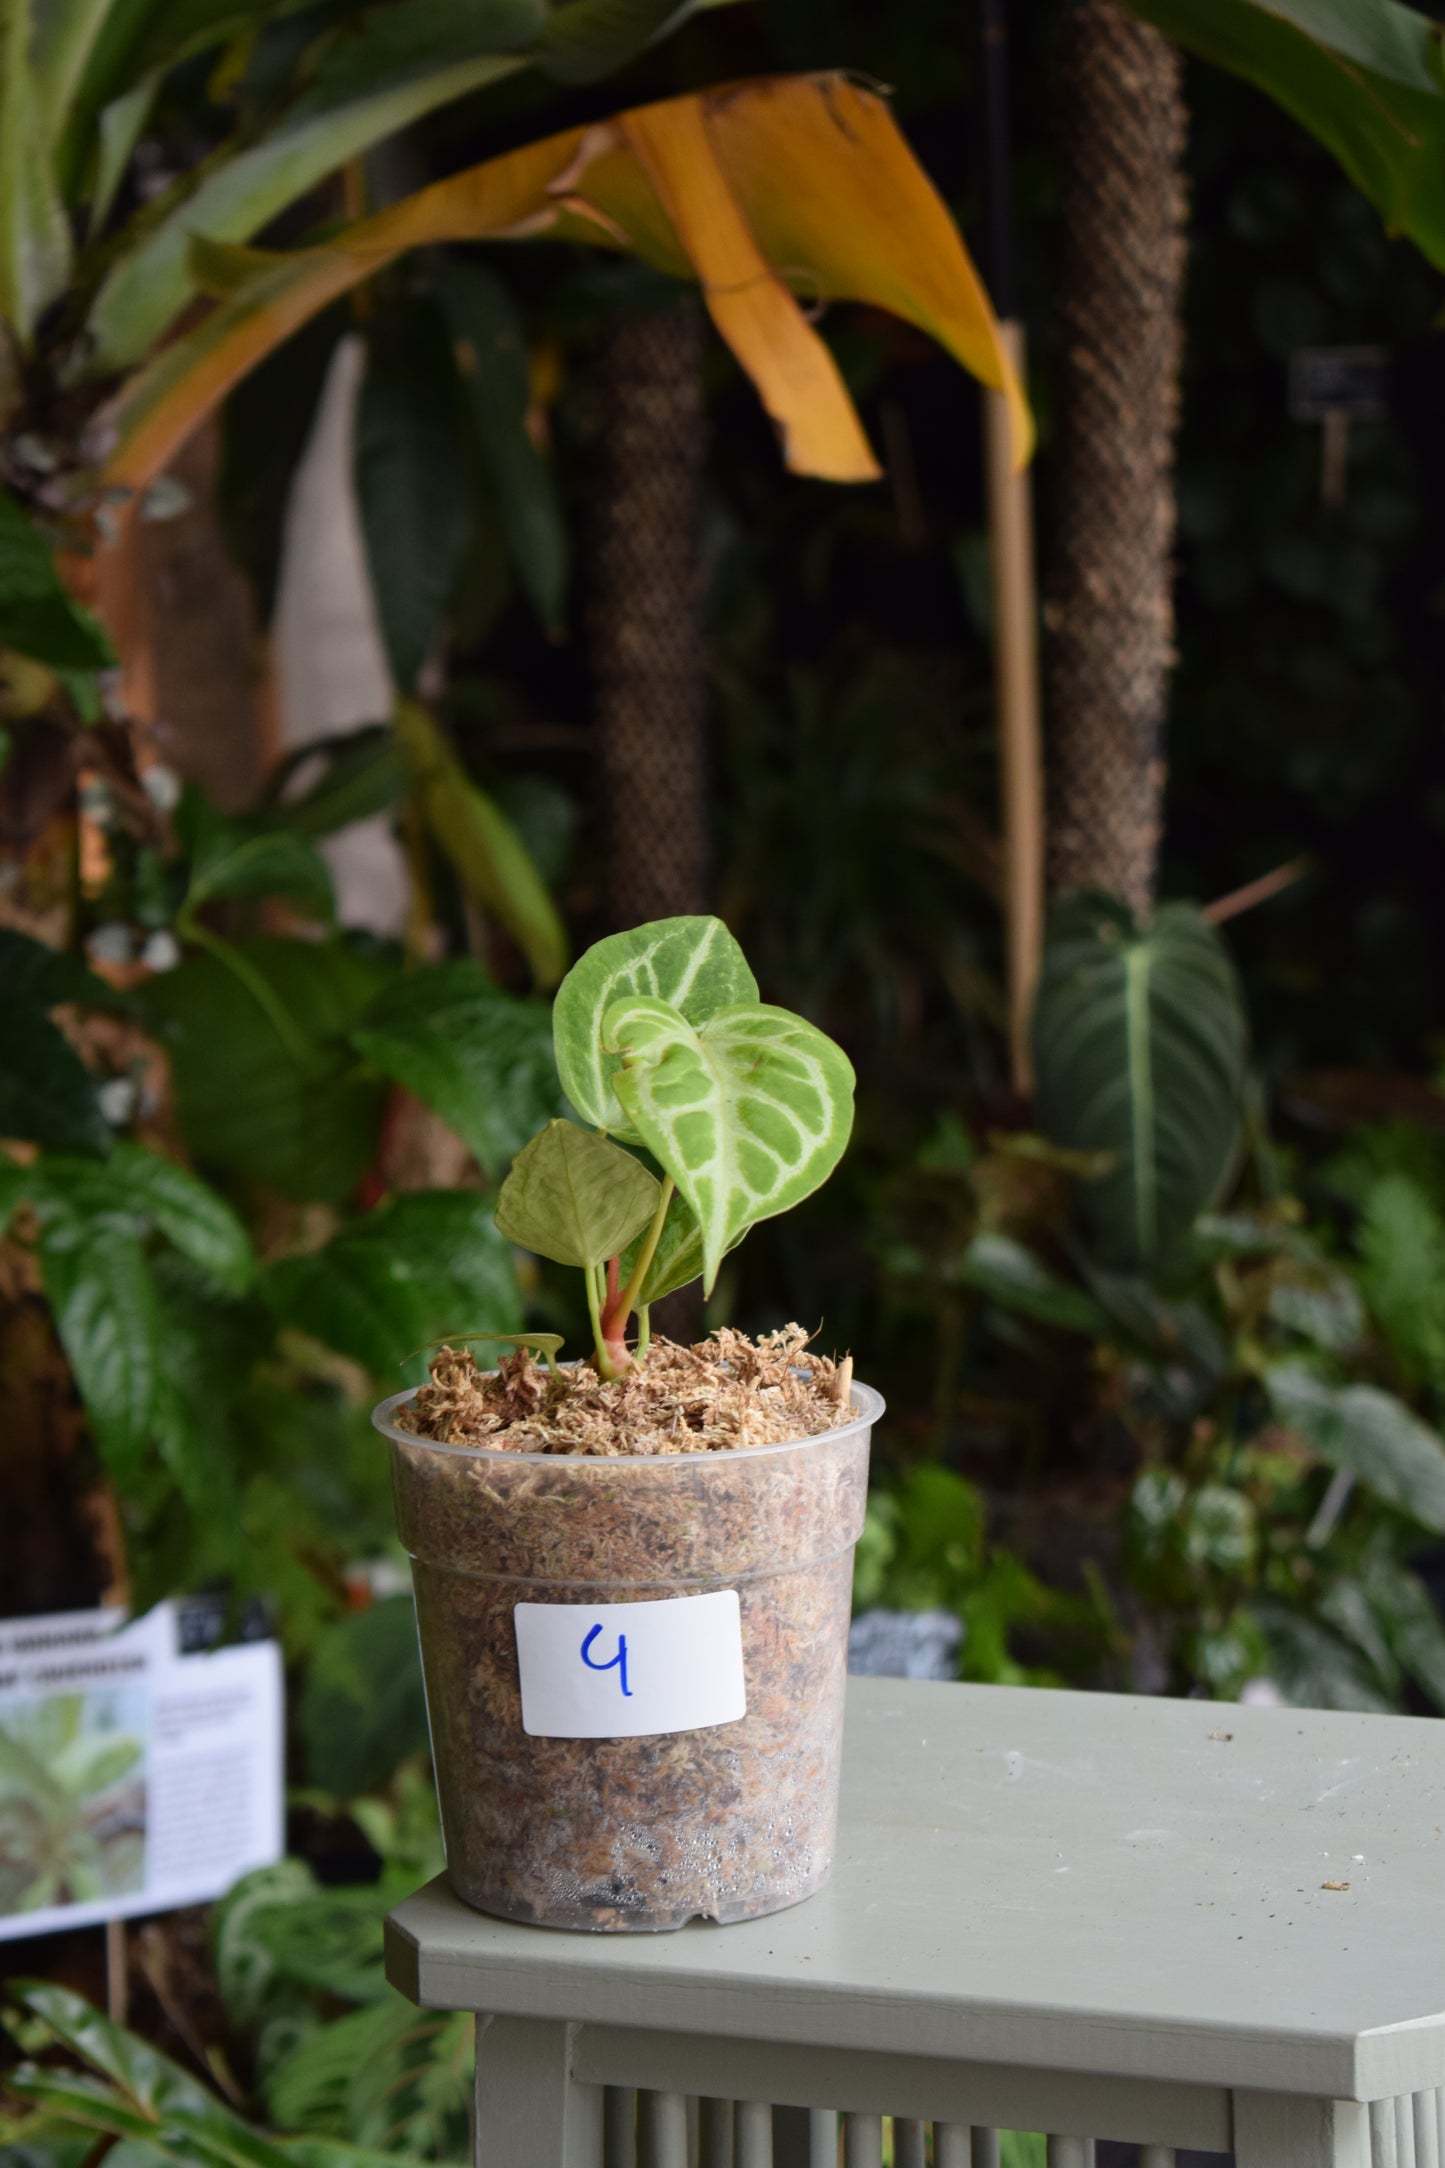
[575,1197]
[692,963]
[748,1111]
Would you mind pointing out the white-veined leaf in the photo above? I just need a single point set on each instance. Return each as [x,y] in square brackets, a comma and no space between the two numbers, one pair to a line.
[693,963]
[748,1111]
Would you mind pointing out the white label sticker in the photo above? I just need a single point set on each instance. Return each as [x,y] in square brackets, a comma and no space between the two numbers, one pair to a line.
[630,1670]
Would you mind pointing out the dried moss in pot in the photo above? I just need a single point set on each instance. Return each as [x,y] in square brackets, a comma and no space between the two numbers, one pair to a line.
[633,1580]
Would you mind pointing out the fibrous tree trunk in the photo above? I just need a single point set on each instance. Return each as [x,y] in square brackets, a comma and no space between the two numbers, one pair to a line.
[1120,128]
[646,632]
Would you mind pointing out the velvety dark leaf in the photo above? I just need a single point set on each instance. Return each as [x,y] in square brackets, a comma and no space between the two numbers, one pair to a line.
[1139,1049]
[362,1707]
[491,341]
[410,483]
[417,1268]
[481,1058]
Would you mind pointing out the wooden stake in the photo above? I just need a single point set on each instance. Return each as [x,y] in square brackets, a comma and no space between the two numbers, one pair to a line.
[117,1972]
[1020,735]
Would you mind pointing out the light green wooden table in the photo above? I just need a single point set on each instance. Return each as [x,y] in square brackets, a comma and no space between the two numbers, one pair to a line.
[1083,1914]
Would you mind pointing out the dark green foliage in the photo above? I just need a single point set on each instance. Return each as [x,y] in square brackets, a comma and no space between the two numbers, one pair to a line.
[269,1087]
[410,483]
[37,617]
[482,1058]
[407,1274]
[490,339]
[46,1094]
[1139,1043]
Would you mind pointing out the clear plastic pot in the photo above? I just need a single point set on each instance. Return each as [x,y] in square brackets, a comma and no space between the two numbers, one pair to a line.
[727,1821]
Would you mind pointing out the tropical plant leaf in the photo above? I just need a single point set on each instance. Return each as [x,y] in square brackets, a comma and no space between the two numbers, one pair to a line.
[480,1058]
[292,1108]
[147,2079]
[748,1111]
[815,165]
[587,39]
[47,1095]
[37,616]
[1369,1432]
[134,1189]
[1313,1667]
[488,856]
[100,1288]
[399,1278]
[1002,1270]
[1362,75]
[575,1197]
[693,963]
[1401,1240]
[387,67]
[1411,1624]
[256,857]
[491,340]
[362,1707]
[360,775]
[1139,1049]
[35,242]
[410,484]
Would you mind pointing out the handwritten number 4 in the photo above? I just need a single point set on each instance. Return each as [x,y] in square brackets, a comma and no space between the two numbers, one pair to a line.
[616,1663]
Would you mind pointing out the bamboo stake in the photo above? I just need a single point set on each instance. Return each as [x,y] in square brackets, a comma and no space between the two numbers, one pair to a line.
[1020,732]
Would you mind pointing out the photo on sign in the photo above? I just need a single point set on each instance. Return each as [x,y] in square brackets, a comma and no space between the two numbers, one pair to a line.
[72,1797]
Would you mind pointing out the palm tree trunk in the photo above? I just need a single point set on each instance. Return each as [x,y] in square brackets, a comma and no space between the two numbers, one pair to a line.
[1108,615]
[646,632]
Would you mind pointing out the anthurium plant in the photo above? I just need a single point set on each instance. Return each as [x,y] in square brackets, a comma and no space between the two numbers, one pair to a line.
[709,1110]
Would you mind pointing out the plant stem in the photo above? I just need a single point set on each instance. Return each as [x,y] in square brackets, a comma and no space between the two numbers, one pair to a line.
[644,1331]
[648,1251]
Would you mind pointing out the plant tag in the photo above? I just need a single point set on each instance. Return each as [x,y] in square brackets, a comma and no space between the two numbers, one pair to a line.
[630,1670]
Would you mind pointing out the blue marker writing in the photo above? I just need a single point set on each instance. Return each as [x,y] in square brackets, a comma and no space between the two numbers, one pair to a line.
[617,1662]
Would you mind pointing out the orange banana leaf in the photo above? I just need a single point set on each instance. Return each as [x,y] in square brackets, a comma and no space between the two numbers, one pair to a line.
[796,182]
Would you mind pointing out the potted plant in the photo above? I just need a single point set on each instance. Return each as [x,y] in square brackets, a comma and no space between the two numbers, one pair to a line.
[633,1575]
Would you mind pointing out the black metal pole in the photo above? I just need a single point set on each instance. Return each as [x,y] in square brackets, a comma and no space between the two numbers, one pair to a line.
[1000,266]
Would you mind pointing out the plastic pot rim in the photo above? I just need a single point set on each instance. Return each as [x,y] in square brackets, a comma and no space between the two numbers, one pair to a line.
[867,1405]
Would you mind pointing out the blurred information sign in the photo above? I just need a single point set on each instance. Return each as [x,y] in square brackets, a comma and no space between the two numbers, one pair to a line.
[134,1777]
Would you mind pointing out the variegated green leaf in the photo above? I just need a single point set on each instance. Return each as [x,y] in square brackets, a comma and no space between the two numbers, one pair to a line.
[748,1111]
[693,963]
[575,1197]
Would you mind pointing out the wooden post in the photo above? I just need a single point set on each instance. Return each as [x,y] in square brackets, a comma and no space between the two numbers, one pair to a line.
[1020,732]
